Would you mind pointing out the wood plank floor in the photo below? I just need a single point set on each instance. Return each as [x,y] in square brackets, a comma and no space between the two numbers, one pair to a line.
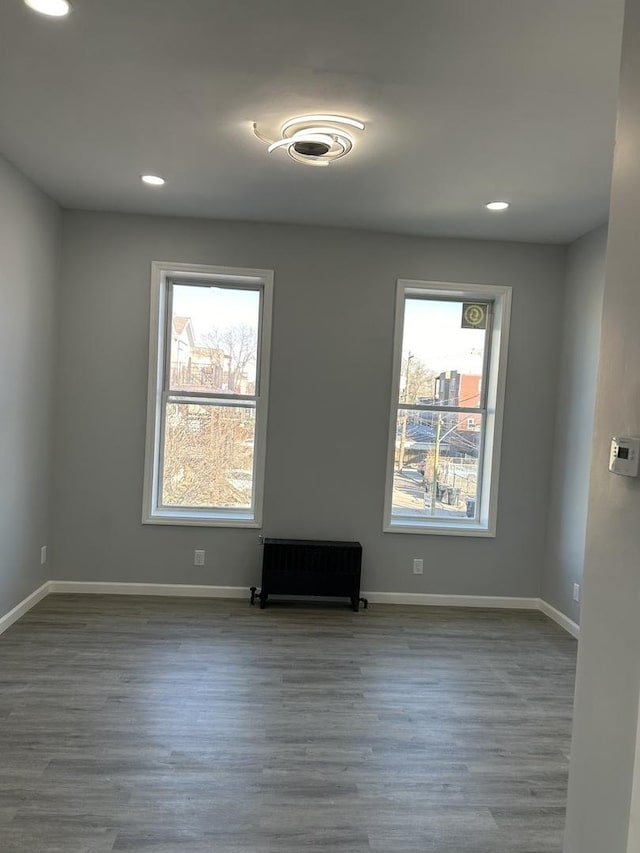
[166,725]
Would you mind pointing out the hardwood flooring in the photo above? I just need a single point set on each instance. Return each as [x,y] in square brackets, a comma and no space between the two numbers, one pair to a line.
[155,725]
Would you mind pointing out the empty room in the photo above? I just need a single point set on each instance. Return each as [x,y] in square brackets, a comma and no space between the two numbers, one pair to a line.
[319,426]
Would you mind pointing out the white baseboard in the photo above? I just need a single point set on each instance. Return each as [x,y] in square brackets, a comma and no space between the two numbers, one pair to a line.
[568,624]
[195,591]
[25,605]
[425,599]
[177,590]
[242,592]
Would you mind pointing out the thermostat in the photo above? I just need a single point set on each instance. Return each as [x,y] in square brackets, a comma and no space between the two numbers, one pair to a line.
[624,456]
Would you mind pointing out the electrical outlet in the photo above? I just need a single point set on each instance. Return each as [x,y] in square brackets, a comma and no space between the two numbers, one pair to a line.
[43,555]
[417,567]
[198,558]
[576,592]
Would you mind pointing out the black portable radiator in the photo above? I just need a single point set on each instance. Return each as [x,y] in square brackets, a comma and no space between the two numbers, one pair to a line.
[312,568]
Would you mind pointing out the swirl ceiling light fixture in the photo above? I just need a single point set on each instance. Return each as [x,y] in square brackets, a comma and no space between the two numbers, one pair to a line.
[316,140]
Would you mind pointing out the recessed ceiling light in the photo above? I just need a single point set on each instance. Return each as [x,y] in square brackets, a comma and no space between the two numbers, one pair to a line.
[316,140]
[497,205]
[53,8]
[153,180]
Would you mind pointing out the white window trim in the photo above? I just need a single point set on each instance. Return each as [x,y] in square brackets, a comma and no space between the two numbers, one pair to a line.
[485,525]
[162,273]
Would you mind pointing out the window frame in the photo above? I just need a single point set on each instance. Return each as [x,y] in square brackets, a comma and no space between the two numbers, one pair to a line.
[491,406]
[163,275]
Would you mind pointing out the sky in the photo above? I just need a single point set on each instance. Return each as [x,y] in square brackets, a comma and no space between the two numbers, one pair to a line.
[432,328]
[433,334]
[216,307]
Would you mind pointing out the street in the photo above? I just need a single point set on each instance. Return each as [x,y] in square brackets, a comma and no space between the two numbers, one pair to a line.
[410,498]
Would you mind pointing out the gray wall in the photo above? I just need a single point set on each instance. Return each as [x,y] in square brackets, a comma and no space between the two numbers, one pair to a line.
[329,404]
[577,372]
[608,677]
[29,238]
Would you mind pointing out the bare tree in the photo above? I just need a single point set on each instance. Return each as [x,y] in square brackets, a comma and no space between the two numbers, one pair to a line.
[208,456]
[239,346]
[418,378]
[418,382]
[239,343]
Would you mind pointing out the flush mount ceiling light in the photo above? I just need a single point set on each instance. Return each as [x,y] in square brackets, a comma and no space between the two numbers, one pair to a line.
[497,205]
[53,8]
[152,180]
[316,140]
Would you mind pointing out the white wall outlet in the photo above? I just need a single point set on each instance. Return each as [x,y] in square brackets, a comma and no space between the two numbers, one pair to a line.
[43,555]
[576,592]
[198,558]
[417,567]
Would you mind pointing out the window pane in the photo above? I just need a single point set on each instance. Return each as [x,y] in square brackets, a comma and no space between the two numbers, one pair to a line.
[214,339]
[442,358]
[208,456]
[436,464]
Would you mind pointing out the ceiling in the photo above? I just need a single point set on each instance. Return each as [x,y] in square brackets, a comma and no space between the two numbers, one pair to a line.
[465,101]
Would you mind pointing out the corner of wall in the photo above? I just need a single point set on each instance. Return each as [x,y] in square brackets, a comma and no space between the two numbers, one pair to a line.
[575,407]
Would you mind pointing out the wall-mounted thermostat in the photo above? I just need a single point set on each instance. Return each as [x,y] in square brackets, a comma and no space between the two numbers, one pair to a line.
[624,456]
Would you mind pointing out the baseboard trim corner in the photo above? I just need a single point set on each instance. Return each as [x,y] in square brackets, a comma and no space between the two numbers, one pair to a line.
[568,624]
[24,606]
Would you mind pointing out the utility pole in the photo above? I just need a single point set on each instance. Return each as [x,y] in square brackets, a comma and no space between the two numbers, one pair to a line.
[403,425]
[436,462]
[436,459]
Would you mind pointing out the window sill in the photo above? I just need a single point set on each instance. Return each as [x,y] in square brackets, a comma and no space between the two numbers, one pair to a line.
[440,529]
[183,518]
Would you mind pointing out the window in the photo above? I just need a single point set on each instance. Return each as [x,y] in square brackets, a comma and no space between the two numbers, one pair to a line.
[448,392]
[207,404]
